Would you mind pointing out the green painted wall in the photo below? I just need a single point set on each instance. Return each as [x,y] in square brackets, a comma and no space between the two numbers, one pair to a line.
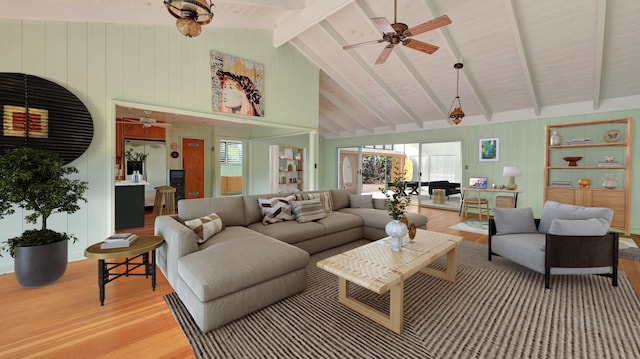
[522,143]
[146,64]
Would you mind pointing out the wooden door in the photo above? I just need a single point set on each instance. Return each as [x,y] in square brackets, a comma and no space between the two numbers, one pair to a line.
[193,165]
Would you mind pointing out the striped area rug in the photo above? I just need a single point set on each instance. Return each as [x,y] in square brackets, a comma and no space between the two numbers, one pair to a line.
[494,310]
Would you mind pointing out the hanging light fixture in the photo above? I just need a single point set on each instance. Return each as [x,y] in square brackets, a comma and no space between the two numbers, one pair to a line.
[190,15]
[457,114]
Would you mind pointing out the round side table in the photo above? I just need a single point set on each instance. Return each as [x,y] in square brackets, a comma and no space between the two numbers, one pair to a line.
[138,250]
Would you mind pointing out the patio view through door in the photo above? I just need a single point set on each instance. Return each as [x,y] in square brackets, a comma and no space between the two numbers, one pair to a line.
[440,161]
[370,167]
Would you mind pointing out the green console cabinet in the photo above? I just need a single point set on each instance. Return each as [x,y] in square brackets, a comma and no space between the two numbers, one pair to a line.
[129,206]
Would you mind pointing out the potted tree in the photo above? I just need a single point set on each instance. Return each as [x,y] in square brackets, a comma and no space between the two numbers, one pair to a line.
[36,180]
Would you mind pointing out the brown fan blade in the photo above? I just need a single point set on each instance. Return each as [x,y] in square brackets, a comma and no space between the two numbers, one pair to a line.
[420,46]
[362,44]
[383,25]
[429,25]
[384,54]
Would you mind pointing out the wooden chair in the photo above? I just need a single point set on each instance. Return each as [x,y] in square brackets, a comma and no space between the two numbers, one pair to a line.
[482,204]
[165,201]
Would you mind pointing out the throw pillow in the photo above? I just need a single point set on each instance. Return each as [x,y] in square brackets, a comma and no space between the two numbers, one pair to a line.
[206,227]
[324,197]
[579,227]
[380,203]
[276,209]
[360,201]
[308,210]
[514,220]
[554,210]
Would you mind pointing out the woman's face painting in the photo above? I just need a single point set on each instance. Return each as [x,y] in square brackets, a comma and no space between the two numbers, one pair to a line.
[231,94]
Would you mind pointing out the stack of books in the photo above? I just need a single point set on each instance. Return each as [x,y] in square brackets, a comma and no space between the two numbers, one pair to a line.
[608,163]
[119,240]
[579,141]
[560,184]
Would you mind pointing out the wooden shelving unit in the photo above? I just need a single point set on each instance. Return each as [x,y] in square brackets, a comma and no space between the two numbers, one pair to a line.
[287,169]
[619,198]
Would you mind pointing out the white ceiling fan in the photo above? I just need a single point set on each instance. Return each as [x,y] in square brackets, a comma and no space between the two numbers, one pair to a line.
[146,121]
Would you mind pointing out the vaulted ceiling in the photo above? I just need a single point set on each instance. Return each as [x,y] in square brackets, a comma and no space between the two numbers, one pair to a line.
[522,59]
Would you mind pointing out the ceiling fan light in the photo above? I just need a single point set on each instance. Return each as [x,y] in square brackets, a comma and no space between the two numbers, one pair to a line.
[188,27]
[457,113]
[190,15]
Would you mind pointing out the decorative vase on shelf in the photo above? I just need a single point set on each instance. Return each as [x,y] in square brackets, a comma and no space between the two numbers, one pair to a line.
[135,177]
[396,230]
[556,139]
[610,181]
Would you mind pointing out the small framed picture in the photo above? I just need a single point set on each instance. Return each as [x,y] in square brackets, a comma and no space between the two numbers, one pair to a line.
[489,149]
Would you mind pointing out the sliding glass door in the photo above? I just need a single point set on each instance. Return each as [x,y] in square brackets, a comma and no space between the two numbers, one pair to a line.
[440,161]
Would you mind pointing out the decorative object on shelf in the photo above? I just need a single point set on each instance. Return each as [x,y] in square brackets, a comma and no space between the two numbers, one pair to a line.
[190,15]
[579,141]
[290,167]
[457,114]
[572,161]
[608,161]
[584,182]
[612,136]
[512,172]
[556,139]
[610,181]
[489,149]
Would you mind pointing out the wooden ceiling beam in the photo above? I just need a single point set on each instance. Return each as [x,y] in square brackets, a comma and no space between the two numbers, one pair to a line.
[514,22]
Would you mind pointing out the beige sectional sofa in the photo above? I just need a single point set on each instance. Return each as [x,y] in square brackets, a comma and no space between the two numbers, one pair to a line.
[250,265]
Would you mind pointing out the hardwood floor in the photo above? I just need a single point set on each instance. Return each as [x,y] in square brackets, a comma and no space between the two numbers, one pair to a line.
[65,319]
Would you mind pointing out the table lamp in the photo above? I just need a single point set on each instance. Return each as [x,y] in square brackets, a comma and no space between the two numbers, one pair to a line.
[512,172]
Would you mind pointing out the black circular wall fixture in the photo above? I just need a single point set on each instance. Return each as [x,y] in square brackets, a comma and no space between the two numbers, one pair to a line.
[42,114]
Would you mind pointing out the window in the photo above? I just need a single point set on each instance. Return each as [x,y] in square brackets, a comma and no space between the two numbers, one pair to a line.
[231,152]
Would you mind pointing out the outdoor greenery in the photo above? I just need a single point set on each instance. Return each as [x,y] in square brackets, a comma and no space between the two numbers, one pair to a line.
[375,168]
[36,180]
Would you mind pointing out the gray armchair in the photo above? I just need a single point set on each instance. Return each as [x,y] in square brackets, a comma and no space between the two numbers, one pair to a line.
[567,240]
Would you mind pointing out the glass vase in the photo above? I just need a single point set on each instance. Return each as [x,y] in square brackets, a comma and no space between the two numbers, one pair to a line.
[556,139]
[610,181]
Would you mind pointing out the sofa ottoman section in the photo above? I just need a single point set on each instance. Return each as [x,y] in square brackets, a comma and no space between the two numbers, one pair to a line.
[235,276]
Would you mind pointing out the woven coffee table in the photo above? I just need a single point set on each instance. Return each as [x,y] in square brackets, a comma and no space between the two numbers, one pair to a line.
[377,268]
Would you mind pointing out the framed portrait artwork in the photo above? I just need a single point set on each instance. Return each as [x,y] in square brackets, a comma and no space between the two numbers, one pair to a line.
[237,85]
[489,149]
